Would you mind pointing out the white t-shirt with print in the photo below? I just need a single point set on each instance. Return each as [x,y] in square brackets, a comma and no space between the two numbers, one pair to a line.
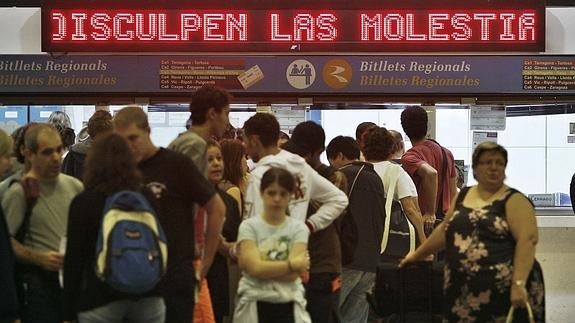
[273,242]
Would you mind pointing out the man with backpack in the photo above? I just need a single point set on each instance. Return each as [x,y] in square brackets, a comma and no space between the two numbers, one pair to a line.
[366,212]
[173,185]
[36,210]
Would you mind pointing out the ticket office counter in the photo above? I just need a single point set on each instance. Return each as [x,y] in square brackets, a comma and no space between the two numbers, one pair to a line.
[556,253]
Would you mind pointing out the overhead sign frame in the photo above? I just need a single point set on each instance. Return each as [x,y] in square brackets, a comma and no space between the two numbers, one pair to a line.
[295,26]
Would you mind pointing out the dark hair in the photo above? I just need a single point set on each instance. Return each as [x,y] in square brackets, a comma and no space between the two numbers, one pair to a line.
[232,133]
[110,166]
[6,143]
[414,122]
[309,137]
[265,126]
[212,143]
[61,121]
[189,123]
[32,135]
[99,122]
[59,118]
[67,135]
[293,148]
[283,136]
[345,145]
[205,98]
[398,144]
[361,128]
[378,145]
[131,114]
[18,135]
[233,151]
[487,146]
[278,175]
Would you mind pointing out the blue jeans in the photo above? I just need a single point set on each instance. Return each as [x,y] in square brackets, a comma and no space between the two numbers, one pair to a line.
[353,305]
[145,310]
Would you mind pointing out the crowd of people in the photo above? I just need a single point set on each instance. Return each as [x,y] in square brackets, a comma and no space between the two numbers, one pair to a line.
[289,240]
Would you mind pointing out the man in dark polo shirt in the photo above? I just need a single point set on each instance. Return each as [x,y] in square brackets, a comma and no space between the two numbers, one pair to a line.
[173,184]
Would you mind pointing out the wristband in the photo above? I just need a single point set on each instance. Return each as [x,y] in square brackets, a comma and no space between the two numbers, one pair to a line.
[290,268]
[520,283]
[309,226]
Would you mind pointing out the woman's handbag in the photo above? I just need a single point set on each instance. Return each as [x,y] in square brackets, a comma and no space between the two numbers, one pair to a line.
[529,313]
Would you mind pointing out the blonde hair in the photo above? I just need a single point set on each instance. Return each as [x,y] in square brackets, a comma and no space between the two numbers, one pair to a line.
[131,114]
[5,144]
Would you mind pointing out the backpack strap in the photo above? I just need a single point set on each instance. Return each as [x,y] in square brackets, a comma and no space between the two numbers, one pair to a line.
[355,180]
[441,180]
[393,170]
[31,194]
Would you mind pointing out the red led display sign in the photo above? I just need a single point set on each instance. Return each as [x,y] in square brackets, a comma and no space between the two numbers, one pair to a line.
[370,26]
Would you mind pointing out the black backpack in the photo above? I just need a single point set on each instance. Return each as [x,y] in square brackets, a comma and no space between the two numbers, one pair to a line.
[399,236]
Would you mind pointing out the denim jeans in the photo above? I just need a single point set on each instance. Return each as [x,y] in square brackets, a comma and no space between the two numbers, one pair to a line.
[353,305]
[144,310]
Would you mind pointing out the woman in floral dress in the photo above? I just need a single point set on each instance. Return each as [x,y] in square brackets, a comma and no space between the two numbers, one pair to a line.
[489,237]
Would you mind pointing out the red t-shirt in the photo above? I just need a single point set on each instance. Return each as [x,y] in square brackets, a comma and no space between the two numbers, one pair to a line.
[430,152]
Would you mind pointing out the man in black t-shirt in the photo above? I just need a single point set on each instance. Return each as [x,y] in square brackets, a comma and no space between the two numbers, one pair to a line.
[367,207]
[173,184]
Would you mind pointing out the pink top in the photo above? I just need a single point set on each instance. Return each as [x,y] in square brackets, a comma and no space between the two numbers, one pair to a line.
[430,152]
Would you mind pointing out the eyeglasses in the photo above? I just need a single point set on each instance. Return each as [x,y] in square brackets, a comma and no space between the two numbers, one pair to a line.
[496,162]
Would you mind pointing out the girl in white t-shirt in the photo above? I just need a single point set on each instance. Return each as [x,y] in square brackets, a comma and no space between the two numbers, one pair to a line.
[272,256]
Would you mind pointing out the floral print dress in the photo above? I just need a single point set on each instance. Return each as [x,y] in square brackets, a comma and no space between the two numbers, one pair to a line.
[479,265]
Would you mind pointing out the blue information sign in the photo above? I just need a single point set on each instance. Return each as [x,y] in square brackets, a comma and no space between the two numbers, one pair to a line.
[370,74]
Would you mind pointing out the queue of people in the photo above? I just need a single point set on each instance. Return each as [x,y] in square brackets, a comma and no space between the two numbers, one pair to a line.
[291,240]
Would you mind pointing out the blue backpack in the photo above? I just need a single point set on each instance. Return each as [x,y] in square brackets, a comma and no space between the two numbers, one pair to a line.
[131,251]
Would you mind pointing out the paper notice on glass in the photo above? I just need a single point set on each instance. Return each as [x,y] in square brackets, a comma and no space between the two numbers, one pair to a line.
[483,136]
[11,114]
[45,114]
[62,251]
[251,76]
[487,118]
